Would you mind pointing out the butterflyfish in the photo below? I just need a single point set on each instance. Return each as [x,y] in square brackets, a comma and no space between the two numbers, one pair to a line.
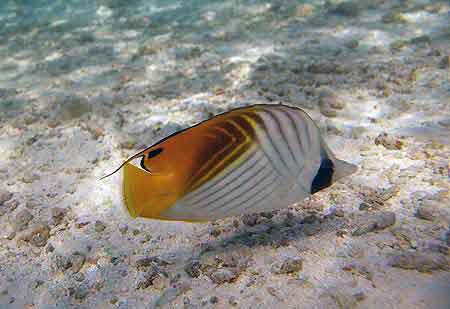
[247,160]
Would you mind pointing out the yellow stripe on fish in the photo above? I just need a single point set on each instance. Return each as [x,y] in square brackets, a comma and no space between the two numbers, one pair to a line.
[247,160]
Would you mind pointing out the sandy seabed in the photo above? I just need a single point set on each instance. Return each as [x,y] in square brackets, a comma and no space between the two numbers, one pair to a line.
[85,84]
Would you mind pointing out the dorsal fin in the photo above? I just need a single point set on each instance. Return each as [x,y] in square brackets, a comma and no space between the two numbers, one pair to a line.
[139,154]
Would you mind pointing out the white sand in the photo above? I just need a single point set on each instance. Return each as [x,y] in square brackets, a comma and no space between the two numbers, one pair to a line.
[85,84]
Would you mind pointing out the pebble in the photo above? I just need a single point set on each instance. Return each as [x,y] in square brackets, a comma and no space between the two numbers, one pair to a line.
[215,231]
[374,222]
[309,219]
[79,292]
[328,112]
[57,214]
[99,226]
[223,275]
[77,260]
[388,141]
[145,279]
[394,17]
[235,258]
[347,8]
[342,299]
[32,203]
[329,103]
[422,39]
[30,178]
[365,206]
[62,262]
[437,246]
[37,235]
[115,260]
[360,296]
[233,301]
[7,92]
[188,53]
[170,294]
[289,265]
[359,269]
[429,210]
[304,10]
[375,199]
[151,48]
[423,262]
[123,228]
[209,16]
[152,261]
[128,144]
[49,248]
[8,206]
[5,196]
[80,225]
[405,237]
[356,251]
[339,212]
[437,8]
[71,106]
[22,219]
[399,45]
[311,229]
[192,268]
[73,262]
[36,283]
[161,282]
[445,62]
[136,232]
[352,44]
[144,262]
[53,123]
[214,299]
[326,68]
[95,131]
[11,235]
[79,277]
[251,219]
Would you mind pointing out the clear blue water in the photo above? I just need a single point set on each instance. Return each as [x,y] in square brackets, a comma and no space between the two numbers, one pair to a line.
[169,49]
[42,40]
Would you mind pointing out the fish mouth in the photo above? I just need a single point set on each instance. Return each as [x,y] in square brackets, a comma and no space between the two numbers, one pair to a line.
[126,203]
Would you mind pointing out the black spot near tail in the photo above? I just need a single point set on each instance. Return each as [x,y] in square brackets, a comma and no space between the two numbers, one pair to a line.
[324,176]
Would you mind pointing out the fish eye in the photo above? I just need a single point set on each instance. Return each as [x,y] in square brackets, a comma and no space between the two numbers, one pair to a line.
[154,153]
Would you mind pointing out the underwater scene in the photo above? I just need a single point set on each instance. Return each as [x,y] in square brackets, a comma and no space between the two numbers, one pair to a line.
[258,154]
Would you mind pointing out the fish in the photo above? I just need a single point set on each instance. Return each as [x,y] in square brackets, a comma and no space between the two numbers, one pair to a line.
[250,159]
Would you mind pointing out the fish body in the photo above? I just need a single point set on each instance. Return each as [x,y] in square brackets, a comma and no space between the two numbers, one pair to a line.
[248,160]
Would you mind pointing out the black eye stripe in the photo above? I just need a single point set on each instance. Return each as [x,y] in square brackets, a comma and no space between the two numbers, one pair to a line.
[143,164]
[154,153]
[150,155]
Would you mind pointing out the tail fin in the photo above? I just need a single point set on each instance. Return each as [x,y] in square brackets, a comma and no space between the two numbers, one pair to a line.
[343,169]
[146,195]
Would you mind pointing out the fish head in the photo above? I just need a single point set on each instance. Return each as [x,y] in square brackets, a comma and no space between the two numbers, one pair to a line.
[165,170]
